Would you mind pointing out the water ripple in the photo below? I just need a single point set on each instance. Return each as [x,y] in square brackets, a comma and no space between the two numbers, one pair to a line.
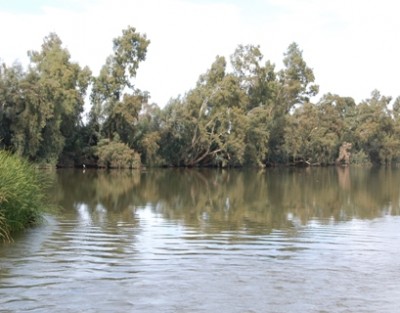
[151,263]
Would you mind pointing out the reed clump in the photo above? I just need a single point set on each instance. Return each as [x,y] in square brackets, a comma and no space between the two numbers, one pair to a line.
[22,196]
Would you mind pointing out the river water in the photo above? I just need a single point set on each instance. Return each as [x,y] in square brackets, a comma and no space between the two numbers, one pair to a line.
[287,240]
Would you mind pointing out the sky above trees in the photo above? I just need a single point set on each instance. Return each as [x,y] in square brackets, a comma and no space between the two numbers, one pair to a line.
[352,46]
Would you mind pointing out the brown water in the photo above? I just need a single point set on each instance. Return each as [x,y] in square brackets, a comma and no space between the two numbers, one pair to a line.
[314,240]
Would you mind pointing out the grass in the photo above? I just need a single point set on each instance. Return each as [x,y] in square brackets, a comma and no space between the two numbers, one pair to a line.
[22,197]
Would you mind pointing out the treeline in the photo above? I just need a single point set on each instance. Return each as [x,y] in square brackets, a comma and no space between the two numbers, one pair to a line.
[250,115]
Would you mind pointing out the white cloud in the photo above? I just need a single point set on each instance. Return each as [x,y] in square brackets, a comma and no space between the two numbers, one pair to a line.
[351,45]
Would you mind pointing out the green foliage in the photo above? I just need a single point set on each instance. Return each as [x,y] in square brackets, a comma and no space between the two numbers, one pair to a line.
[310,135]
[115,154]
[360,158]
[147,135]
[258,81]
[129,50]
[251,115]
[22,199]
[65,84]
[374,129]
[296,78]
[257,136]
[116,104]
[42,107]
[176,132]
[208,126]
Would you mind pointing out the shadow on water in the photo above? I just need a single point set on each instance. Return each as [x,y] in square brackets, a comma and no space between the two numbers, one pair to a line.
[227,200]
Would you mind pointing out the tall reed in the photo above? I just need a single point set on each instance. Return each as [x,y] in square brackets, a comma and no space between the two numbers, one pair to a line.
[22,197]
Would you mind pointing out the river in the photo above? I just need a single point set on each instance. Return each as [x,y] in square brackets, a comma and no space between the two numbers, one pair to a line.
[168,240]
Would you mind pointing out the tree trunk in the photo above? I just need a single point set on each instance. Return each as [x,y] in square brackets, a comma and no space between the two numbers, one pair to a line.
[344,154]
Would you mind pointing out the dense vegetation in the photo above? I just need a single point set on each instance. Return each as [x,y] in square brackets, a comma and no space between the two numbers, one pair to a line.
[22,198]
[249,115]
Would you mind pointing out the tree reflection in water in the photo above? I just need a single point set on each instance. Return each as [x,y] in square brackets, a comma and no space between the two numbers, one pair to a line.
[235,200]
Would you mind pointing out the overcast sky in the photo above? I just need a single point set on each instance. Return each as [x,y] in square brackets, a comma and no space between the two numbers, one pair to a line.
[353,46]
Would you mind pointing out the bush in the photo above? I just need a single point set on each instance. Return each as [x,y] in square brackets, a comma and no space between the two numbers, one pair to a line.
[22,198]
[114,154]
[360,158]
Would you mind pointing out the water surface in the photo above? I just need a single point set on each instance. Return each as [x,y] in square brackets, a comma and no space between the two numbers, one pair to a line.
[309,240]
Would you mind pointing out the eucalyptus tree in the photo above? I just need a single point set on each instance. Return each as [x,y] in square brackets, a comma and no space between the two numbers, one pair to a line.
[218,105]
[296,79]
[238,118]
[260,85]
[295,87]
[176,132]
[257,79]
[396,108]
[313,134]
[208,126]
[395,138]
[375,129]
[44,104]
[341,113]
[25,111]
[147,134]
[28,113]
[63,85]
[11,101]
[116,102]
[258,131]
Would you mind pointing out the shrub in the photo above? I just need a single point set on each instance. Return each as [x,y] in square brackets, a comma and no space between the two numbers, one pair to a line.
[360,158]
[22,198]
[114,154]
